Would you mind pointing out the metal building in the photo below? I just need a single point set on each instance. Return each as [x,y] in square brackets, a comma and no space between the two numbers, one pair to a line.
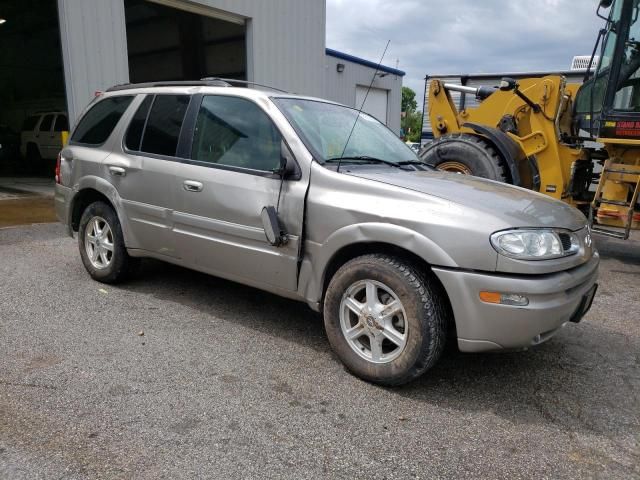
[276,42]
[56,54]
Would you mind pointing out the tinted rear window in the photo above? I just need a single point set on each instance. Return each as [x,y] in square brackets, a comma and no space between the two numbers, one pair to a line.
[98,123]
[30,123]
[134,133]
[164,124]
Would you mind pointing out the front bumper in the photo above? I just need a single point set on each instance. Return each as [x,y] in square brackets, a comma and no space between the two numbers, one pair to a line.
[554,300]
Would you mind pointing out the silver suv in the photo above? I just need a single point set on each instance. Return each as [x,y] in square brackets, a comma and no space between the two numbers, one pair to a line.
[313,201]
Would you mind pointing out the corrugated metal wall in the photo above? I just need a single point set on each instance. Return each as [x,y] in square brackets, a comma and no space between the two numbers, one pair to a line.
[94,48]
[286,51]
[341,87]
[285,48]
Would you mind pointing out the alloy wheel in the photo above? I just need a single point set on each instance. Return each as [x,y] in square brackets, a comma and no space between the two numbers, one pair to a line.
[373,321]
[98,242]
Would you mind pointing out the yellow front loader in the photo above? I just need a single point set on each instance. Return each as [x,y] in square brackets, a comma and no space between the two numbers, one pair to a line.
[556,138]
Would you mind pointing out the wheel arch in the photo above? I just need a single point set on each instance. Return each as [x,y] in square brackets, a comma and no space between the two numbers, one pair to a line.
[92,189]
[355,250]
[323,260]
[81,201]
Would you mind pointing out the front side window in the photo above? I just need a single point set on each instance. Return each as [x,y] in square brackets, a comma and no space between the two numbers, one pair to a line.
[98,123]
[164,124]
[45,125]
[235,132]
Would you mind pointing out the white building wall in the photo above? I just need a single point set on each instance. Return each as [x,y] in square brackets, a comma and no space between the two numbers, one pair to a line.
[94,49]
[341,87]
[285,43]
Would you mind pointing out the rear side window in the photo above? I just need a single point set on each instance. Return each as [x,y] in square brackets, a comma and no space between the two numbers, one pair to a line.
[134,133]
[235,132]
[164,123]
[30,123]
[98,123]
[46,123]
[62,124]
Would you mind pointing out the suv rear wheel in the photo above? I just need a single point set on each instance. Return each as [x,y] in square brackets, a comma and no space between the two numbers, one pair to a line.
[101,244]
[384,319]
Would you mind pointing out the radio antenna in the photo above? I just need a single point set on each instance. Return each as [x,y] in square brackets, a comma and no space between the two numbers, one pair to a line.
[373,79]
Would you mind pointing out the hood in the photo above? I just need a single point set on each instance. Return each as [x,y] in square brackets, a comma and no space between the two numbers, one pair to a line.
[516,206]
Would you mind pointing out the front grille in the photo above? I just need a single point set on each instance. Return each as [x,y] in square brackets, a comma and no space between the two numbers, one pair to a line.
[565,238]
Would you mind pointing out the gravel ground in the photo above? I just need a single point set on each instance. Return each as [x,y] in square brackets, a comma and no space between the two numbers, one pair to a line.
[230,382]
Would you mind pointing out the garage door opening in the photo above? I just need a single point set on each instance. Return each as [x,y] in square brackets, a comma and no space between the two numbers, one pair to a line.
[32,93]
[376,103]
[167,43]
[32,109]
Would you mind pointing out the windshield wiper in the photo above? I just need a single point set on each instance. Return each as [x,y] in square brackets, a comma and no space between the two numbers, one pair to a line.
[416,162]
[365,159]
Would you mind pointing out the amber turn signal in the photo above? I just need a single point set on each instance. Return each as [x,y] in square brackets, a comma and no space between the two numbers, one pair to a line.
[504,298]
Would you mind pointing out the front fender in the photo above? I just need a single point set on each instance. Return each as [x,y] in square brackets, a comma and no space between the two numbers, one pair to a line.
[318,256]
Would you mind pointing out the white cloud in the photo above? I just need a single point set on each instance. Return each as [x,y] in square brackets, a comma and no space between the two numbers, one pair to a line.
[464,36]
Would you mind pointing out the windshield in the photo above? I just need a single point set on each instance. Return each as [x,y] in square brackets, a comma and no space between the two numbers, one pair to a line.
[325,128]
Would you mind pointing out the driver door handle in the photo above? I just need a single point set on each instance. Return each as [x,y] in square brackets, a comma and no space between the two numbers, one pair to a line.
[113,170]
[192,186]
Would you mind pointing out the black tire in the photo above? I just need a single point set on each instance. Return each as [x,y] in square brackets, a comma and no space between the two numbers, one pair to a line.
[33,153]
[477,155]
[33,159]
[427,315]
[121,265]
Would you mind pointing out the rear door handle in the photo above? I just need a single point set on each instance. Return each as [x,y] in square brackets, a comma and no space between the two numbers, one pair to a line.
[192,186]
[119,171]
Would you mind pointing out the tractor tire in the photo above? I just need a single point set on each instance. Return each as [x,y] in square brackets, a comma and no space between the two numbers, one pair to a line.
[466,154]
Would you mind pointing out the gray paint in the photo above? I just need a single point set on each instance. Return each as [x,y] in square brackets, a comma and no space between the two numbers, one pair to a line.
[444,219]
[285,48]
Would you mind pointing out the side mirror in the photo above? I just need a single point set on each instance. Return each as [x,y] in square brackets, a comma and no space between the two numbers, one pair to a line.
[605,3]
[272,228]
[507,84]
[288,167]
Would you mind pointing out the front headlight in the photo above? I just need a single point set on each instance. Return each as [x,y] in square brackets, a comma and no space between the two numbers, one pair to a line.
[535,244]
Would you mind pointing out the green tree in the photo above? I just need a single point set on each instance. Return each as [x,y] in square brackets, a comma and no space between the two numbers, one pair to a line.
[409,103]
[411,122]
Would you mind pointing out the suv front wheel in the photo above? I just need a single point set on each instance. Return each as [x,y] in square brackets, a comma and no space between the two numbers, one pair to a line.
[101,244]
[385,319]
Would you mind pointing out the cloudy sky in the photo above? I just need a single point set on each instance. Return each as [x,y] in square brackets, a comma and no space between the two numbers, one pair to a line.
[464,36]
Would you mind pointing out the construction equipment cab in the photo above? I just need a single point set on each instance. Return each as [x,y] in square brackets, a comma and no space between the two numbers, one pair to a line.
[547,135]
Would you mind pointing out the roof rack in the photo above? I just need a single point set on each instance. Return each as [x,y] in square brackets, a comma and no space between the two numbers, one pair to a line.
[203,82]
[241,82]
[172,83]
